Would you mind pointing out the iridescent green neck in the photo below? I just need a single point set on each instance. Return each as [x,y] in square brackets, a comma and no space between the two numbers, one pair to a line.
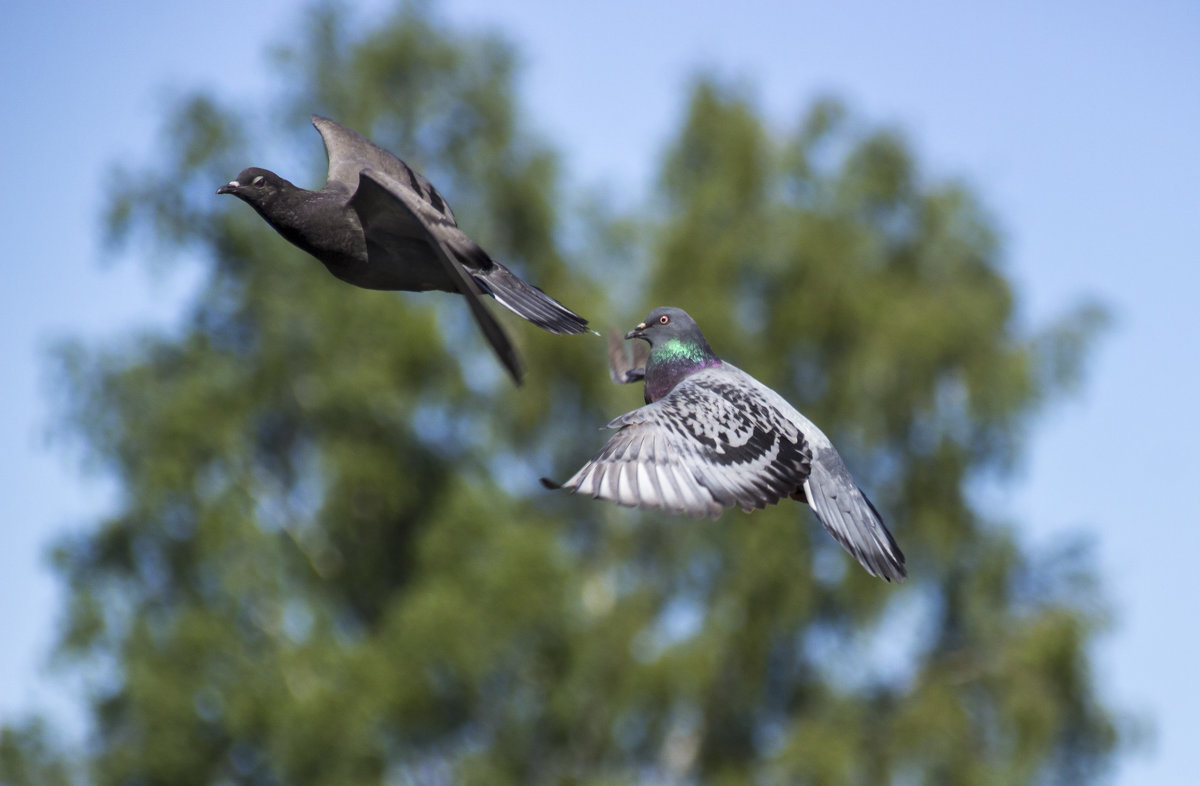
[675,350]
[673,360]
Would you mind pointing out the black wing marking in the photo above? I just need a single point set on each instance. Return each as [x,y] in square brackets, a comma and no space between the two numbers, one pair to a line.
[708,445]
[380,199]
[839,504]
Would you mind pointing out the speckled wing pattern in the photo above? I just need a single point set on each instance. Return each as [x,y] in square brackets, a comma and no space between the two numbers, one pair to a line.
[721,439]
[712,443]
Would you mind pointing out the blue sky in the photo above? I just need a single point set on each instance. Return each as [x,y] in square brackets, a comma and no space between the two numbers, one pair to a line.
[1078,124]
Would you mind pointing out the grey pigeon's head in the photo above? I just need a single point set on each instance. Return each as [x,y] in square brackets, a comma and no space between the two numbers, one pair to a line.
[666,323]
[255,186]
[677,349]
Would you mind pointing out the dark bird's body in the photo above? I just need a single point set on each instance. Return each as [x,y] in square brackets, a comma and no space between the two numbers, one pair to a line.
[378,224]
[712,437]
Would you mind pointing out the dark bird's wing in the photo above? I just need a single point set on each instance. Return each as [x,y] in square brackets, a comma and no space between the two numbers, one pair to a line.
[709,444]
[350,153]
[626,366]
[388,208]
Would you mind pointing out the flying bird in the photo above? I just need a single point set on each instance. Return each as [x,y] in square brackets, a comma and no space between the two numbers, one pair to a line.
[713,437]
[378,224]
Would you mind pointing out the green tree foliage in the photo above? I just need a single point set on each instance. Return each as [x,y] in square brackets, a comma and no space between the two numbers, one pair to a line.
[332,564]
[29,758]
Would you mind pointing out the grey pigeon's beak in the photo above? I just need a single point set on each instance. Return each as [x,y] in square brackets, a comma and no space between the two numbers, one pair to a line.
[636,332]
[229,187]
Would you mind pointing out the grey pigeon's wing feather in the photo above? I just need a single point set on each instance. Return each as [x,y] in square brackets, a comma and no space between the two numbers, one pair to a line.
[712,442]
[623,366]
[389,208]
[844,510]
[720,438]
[839,504]
[350,153]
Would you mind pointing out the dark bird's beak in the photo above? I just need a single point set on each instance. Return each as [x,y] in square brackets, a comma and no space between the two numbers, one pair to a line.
[229,187]
[637,332]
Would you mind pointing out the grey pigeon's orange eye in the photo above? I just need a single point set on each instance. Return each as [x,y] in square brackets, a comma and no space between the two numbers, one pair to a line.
[664,319]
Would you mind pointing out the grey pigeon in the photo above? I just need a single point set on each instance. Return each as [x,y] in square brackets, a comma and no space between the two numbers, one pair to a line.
[378,224]
[712,437]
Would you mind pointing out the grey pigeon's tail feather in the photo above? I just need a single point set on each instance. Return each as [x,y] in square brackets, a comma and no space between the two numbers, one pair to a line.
[529,302]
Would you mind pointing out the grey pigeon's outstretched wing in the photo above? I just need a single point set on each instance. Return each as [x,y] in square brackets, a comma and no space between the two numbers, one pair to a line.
[840,505]
[392,212]
[711,443]
[850,517]
[720,438]
[350,153]
[624,366]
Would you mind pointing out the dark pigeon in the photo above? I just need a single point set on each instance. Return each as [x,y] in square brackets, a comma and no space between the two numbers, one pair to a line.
[379,224]
[713,437]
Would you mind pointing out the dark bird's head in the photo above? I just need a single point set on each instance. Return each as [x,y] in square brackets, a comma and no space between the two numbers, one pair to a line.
[677,349]
[256,187]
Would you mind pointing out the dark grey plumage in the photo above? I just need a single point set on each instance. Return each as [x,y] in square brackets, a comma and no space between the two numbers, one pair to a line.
[379,224]
[712,437]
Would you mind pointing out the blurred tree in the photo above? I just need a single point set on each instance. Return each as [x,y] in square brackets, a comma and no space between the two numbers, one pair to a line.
[331,562]
[28,758]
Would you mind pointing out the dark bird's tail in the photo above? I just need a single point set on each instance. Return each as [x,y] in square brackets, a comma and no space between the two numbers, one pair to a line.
[529,302]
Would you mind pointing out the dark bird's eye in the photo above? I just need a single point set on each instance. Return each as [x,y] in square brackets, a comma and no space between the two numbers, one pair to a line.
[258,181]
[664,319]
